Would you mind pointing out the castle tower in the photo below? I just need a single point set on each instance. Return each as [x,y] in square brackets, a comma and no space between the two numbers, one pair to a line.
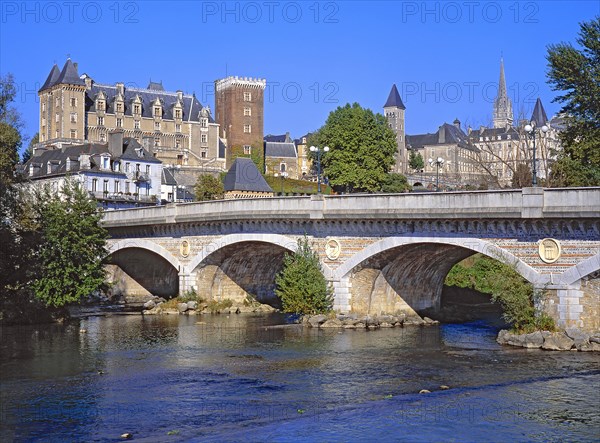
[394,113]
[239,110]
[503,113]
[62,105]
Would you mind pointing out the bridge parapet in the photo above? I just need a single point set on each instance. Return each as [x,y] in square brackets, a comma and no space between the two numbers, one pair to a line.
[510,204]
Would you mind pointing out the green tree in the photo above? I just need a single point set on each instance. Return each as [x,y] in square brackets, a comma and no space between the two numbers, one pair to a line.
[73,245]
[362,148]
[415,161]
[576,72]
[395,183]
[522,176]
[208,187]
[29,151]
[301,284]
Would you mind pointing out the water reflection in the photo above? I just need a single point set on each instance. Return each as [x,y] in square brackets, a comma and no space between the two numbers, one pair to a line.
[206,375]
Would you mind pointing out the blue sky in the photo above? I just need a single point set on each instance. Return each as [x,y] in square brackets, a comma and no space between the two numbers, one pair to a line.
[443,56]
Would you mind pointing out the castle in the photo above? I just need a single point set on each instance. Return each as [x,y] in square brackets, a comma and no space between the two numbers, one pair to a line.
[175,127]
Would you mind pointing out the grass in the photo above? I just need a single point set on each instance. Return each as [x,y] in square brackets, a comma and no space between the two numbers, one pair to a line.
[293,186]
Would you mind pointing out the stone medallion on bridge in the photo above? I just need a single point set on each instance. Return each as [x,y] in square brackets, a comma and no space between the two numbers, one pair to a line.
[333,249]
[549,250]
[184,248]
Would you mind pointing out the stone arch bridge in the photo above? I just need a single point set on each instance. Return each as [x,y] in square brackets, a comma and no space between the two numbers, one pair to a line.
[382,253]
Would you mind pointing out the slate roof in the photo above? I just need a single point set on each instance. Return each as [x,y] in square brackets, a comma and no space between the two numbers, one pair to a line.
[155,86]
[58,158]
[394,100]
[52,78]
[539,114]
[168,178]
[244,176]
[191,107]
[277,149]
[69,75]
[493,134]
[453,135]
[277,138]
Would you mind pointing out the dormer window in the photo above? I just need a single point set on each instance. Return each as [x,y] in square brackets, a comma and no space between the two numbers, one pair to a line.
[101,106]
[178,113]
[105,163]
[119,107]
[137,109]
[116,166]
[157,112]
[204,122]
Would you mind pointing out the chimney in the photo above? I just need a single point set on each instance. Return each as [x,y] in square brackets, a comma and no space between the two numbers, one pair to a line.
[457,123]
[84,161]
[469,130]
[287,137]
[442,135]
[121,88]
[180,96]
[115,142]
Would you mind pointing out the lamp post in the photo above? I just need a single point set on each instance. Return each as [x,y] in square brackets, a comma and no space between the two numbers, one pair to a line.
[318,151]
[530,129]
[439,162]
[283,176]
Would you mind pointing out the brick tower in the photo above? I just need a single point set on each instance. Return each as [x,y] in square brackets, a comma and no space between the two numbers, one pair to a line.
[239,110]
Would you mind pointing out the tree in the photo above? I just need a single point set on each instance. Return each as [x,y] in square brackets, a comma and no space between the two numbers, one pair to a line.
[73,245]
[415,161]
[576,72]
[208,187]
[395,183]
[301,284]
[522,176]
[362,148]
[29,151]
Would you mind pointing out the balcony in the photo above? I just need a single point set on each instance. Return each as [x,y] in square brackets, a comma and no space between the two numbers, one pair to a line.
[139,177]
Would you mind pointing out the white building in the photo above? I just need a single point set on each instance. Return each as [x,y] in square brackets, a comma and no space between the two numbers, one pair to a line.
[119,174]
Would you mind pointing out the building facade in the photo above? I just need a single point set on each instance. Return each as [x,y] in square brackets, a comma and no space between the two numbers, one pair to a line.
[239,112]
[118,174]
[173,126]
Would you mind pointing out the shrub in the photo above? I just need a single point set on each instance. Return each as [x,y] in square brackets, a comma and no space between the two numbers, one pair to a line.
[301,284]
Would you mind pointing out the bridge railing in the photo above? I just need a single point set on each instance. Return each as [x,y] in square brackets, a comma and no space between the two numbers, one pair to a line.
[525,203]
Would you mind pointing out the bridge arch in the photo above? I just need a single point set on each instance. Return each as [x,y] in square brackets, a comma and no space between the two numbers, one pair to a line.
[147,245]
[580,270]
[407,273]
[140,268]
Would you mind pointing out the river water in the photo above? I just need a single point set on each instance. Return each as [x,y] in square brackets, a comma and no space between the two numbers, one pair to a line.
[234,378]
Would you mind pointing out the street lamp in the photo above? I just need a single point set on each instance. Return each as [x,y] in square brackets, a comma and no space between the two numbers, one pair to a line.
[439,162]
[283,176]
[530,129]
[318,151]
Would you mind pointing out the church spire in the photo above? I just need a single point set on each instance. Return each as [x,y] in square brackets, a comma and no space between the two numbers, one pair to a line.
[503,115]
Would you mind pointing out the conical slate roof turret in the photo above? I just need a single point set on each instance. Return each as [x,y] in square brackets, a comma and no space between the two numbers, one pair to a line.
[539,114]
[69,75]
[244,176]
[52,78]
[394,100]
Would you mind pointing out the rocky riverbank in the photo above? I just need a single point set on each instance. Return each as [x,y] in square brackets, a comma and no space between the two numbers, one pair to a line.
[159,305]
[570,339]
[352,321]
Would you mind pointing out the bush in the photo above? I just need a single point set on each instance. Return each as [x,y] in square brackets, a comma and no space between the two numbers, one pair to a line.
[301,284]
[506,287]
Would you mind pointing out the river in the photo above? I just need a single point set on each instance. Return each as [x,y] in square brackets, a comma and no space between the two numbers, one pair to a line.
[235,378]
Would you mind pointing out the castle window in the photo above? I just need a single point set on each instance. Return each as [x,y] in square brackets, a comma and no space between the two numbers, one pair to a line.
[178,143]
[119,107]
[247,129]
[177,127]
[101,105]
[203,122]
[73,117]
[136,109]
[157,111]
[247,96]
[177,113]
[204,138]
[73,102]
[180,159]
[43,107]
[157,126]
[57,118]
[247,111]
[156,141]
[119,123]
[43,121]
[57,101]
[136,124]
[73,133]
[203,154]
[100,121]
[247,149]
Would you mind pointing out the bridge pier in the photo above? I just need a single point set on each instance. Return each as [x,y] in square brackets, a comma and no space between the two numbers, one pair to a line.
[341,294]
[187,281]
[575,305]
